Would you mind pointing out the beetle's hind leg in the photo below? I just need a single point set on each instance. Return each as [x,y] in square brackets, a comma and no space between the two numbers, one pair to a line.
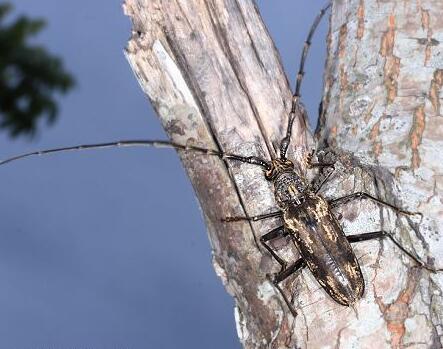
[381,234]
[284,272]
[282,275]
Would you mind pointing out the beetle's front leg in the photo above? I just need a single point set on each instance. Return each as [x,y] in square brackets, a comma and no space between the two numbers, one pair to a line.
[319,164]
[316,185]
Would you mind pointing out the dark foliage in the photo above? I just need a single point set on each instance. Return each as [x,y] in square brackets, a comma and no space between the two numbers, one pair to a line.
[29,76]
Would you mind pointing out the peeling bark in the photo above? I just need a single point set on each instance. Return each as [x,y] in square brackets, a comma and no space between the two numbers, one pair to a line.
[214,77]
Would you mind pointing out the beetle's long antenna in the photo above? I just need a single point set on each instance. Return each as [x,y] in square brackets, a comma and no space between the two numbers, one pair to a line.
[307,46]
[146,143]
[296,105]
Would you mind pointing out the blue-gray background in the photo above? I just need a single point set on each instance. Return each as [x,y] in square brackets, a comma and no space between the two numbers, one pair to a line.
[107,249]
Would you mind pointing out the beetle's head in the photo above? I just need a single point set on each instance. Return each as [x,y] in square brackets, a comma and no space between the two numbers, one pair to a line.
[288,183]
[277,167]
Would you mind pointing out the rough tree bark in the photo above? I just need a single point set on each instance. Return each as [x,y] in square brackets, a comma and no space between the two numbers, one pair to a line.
[213,75]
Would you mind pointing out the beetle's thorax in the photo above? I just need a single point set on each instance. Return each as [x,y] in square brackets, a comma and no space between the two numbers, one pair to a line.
[288,184]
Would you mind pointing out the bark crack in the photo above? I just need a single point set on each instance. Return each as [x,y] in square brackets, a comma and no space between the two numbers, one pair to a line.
[392,62]
[361,20]
[416,135]
[435,89]
[221,34]
[200,101]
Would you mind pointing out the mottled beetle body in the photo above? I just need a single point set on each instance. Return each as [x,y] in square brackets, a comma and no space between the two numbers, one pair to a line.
[325,249]
[319,238]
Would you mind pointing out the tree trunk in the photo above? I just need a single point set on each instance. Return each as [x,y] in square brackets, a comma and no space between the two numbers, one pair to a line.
[214,77]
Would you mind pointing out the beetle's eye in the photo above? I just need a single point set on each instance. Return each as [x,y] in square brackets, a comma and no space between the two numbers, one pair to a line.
[269,173]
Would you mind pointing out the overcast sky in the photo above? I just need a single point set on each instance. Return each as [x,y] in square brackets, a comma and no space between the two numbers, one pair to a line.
[89,254]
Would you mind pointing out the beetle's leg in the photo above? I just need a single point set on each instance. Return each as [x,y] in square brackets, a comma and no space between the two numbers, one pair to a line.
[383,234]
[253,218]
[363,195]
[318,183]
[282,275]
[276,233]
[318,164]
[317,186]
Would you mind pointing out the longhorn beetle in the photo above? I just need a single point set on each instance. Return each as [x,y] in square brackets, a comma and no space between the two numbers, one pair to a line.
[307,216]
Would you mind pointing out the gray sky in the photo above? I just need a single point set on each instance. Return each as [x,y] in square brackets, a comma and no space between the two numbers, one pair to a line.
[89,254]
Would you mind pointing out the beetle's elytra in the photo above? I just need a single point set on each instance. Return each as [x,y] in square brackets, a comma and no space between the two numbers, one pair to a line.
[325,249]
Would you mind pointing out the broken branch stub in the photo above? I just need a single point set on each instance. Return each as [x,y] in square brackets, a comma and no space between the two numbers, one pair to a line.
[214,77]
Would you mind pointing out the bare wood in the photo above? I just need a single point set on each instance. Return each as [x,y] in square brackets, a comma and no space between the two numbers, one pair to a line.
[212,73]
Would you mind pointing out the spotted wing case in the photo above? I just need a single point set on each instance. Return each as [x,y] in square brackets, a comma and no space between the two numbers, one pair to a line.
[325,248]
